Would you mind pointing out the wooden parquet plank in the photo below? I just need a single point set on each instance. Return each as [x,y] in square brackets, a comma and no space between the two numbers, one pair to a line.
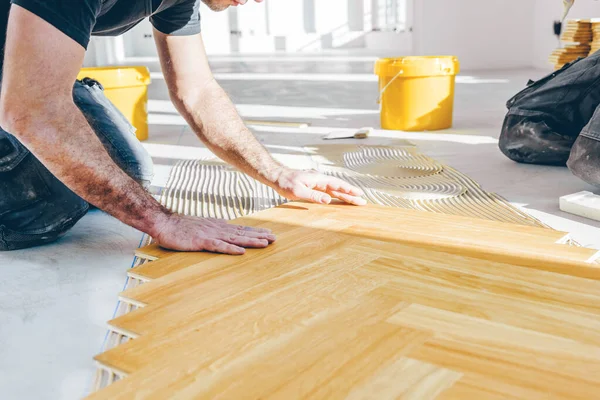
[153,252]
[259,312]
[236,286]
[260,370]
[407,379]
[526,357]
[518,372]
[302,240]
[403,255]
[481,386]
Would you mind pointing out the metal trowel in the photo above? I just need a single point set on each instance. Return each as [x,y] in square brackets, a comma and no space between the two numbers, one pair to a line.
[362,133]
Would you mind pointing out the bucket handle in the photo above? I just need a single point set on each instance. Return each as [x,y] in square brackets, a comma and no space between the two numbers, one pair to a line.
[446,70]
[388,84]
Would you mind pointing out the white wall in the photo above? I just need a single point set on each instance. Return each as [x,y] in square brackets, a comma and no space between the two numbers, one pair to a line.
[284,25]
[104,51]
[484,34]
[546,12]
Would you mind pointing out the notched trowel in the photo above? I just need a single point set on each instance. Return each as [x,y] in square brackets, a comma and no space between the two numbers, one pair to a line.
[362,133]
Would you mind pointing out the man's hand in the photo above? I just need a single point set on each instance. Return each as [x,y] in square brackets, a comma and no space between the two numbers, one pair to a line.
[315,187]
[184,233]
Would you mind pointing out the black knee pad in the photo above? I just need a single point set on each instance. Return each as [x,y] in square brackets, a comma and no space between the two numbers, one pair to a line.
[114,131]
[531,140]
[584,161]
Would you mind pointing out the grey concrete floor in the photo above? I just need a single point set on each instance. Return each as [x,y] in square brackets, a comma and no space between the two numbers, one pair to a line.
[54,300]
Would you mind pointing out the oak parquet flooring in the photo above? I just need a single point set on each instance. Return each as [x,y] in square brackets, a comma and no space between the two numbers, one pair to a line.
[364,303]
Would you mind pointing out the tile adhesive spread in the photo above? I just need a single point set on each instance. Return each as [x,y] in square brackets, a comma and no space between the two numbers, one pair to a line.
[395,176]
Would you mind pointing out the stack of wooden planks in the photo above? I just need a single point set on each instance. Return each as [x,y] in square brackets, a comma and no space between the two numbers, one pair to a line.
[577,37]
[595,45]
[369,302]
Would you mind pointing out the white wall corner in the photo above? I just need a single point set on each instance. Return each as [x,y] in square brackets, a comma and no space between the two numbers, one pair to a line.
[491,34]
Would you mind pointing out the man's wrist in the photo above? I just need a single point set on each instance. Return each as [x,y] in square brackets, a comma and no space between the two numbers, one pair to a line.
[272,172]
[157,221]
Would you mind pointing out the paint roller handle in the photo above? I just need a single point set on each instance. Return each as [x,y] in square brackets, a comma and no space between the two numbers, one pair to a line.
[567,7]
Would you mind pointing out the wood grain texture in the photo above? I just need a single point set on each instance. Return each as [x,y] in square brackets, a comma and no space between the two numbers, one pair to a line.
[363,303]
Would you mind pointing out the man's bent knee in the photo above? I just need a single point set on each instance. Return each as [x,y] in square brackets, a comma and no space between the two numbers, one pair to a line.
[530,140]
[12,240]
[584,161]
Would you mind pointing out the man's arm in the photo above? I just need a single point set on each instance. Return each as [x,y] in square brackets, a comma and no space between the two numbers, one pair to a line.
[36,105]
[208,110]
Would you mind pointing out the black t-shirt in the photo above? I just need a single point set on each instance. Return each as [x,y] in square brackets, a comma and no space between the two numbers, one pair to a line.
[79,19]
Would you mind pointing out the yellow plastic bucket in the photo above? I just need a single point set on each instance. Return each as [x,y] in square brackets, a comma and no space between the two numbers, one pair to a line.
[417,93]
[127,89]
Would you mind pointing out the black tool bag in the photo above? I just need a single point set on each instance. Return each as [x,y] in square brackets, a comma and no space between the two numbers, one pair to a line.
[545,118]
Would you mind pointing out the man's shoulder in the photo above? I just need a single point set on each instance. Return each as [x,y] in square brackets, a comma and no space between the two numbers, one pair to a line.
[173,3]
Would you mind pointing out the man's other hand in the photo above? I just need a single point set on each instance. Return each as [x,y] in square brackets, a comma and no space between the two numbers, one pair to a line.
[315,187]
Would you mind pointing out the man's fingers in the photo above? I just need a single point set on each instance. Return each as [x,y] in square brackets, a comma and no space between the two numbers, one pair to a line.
[244,241]
[258,235]
[330,183]
[219,246]
[250,228]
[240,231]
[315,196]
[224,224]
[355,200]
